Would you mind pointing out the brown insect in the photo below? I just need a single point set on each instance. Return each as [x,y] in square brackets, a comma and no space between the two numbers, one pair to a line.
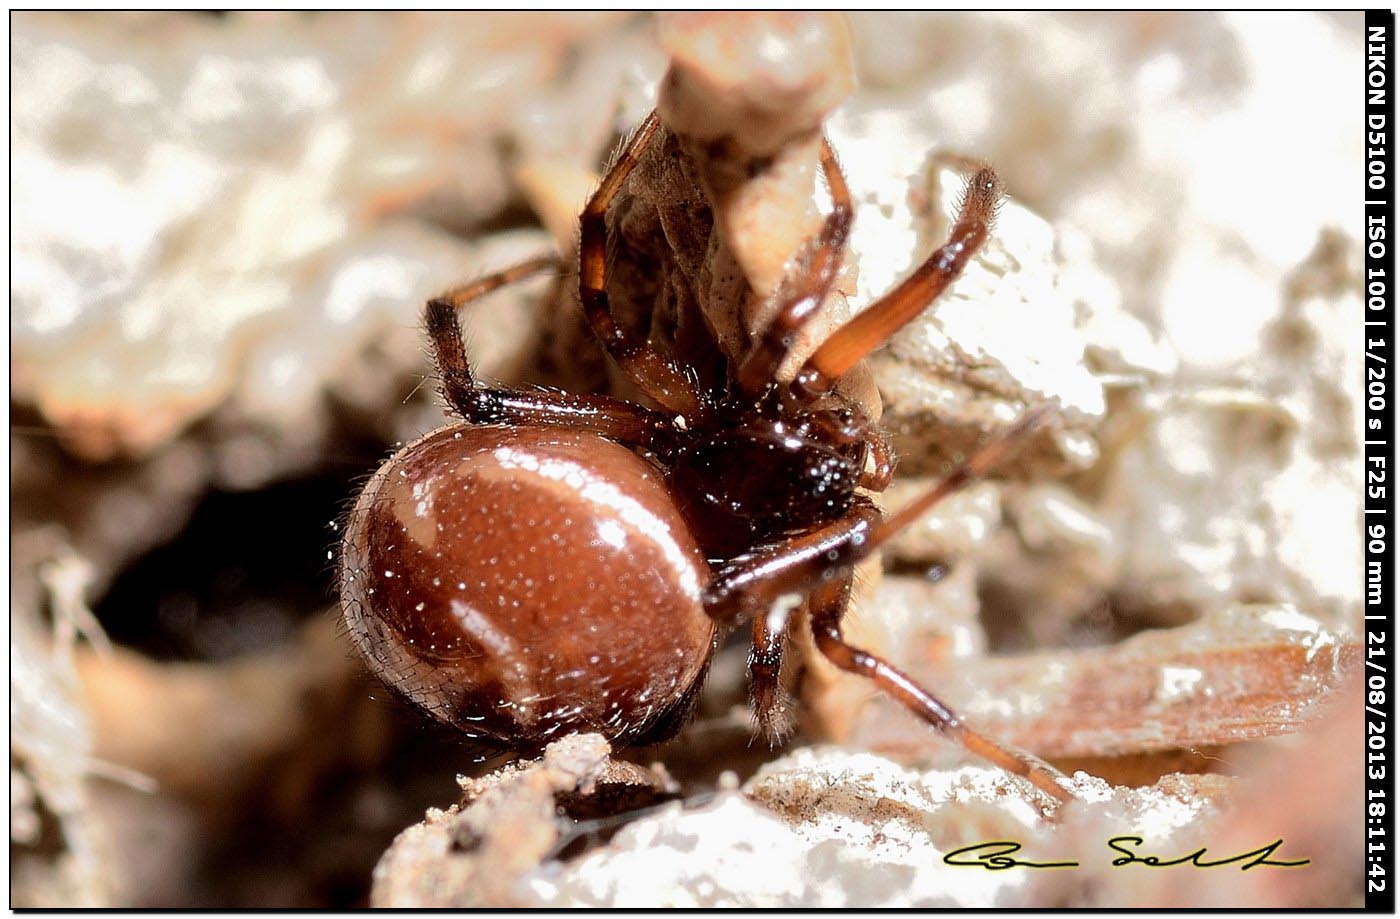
[556,562]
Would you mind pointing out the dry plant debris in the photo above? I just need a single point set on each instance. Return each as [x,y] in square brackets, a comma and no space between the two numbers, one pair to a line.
[1237,675]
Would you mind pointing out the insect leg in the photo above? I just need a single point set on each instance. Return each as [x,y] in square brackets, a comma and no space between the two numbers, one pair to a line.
[633,354]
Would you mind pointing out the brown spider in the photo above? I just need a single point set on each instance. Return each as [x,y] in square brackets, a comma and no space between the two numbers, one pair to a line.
[557,562]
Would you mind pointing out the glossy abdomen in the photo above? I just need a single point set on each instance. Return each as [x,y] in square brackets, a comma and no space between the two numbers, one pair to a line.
[523,583]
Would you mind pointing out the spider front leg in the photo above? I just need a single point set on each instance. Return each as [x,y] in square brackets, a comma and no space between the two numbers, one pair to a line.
[874,325]
[820,563]
[798,564]
[612,418]
[829,602]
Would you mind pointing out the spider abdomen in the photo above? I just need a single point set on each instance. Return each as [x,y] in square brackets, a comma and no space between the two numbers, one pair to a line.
[523,582]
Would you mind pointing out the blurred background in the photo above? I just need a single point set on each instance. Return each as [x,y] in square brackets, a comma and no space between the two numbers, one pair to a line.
[224,227]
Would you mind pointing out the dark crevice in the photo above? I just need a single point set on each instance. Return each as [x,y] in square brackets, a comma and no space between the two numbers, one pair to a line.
[240,577]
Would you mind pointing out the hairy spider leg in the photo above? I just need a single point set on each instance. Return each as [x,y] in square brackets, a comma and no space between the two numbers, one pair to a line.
[767,698]
[660,379]
[625,422]
[874,325]
[820,563]
[804,296]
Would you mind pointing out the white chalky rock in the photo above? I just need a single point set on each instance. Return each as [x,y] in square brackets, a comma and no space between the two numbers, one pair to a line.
[826,827]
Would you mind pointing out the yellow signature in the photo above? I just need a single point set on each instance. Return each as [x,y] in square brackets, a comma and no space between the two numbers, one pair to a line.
[998,855]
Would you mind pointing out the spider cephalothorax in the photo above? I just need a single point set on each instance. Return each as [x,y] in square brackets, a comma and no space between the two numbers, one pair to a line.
[557,562]
[770,475]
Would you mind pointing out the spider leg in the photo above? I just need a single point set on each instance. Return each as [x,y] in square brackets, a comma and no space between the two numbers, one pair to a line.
[658,377]
[458,385]
[874,325]
[965,473]
[820,563]
[767,697]
[747,586]
[829,602]
[807,295]
[796,565]
[613,418]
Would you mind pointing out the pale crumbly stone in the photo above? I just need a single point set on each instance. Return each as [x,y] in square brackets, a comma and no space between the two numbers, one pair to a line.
[826,827]
[226,223]
[952,530]
[1246,486]
[1003,337]
[483,851]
